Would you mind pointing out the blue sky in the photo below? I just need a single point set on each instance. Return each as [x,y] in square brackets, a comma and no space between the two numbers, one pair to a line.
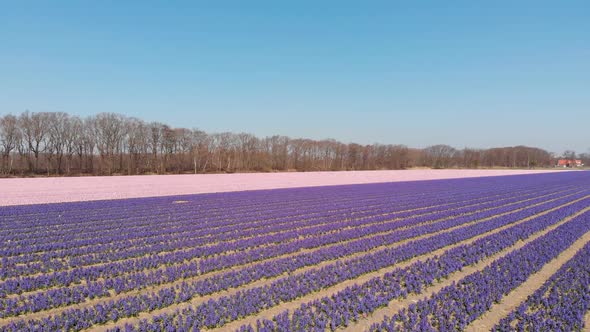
[464,73]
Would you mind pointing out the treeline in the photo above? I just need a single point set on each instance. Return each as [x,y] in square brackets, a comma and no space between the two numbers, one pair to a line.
[107,143]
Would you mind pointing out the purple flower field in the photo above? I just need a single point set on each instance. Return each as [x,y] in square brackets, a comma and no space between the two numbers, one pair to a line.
[502,253]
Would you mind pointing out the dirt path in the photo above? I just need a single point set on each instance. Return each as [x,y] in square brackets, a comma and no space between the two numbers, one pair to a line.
[380,314]
[520,294]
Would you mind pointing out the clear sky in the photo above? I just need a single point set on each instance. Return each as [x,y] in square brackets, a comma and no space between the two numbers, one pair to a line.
[464,73]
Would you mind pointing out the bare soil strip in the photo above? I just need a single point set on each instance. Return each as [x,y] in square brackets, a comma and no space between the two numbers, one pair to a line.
[268,314]
[517,296]
[380,314]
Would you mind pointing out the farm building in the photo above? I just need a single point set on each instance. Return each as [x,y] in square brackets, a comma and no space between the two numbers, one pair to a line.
[569,163]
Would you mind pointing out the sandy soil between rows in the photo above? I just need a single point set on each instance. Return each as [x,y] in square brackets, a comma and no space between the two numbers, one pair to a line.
[25,191]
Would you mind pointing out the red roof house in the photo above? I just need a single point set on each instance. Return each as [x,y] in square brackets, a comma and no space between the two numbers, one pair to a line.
[569,163]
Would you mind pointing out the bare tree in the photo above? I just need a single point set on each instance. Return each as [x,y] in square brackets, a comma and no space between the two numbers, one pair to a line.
[439,156]
[199,150]
[35,129]
[166,146]
[226,151]
[396,157]
[155,129]
[72,133]
[9,140]
[86,145]
[277,147]
[111,143]
[471,158]
[137,141]
[59,132]
[108,134]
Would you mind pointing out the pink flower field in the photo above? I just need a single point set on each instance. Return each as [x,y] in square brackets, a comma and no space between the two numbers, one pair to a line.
[53,190]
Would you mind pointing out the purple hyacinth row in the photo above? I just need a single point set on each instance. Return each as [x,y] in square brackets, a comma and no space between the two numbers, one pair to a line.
[132,305]
[298,285]
[358,301]
[226,309]
[202,237]
[115,224]
[78,246]
[63,296]
[140,221]
[243,225]
[187,234]
[207,265]
[454,307]
[560,304]
[67,218]
[267,196]
[10,269]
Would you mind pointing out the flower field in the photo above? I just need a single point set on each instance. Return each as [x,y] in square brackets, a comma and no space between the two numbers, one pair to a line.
[496,253]
[19,191]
